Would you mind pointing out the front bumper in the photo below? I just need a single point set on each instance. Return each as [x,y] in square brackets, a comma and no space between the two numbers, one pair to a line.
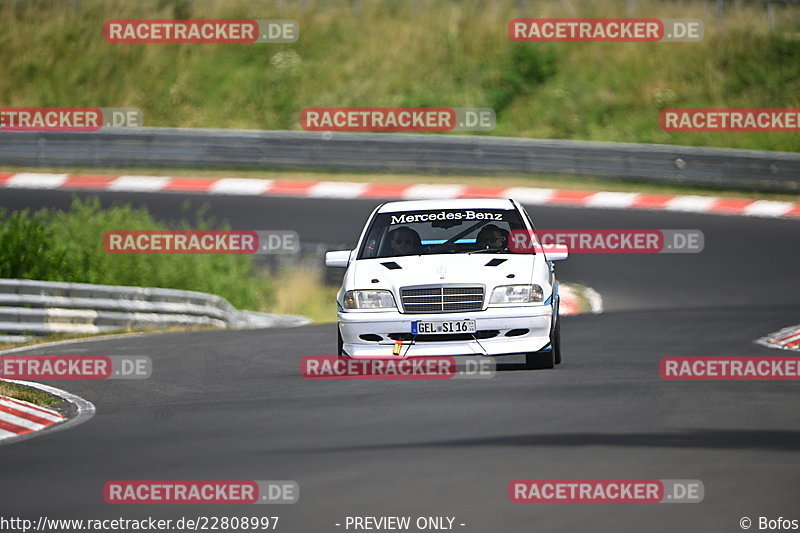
[495,321]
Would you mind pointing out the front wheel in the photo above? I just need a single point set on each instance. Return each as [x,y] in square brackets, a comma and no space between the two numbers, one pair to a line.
[540,360]
[340,343]
[550,358]
[556,342]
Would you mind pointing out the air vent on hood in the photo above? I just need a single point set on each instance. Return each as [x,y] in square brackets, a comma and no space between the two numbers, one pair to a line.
[496,261]
[391,265]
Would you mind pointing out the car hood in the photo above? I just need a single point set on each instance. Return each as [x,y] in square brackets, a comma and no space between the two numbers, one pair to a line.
[490,270]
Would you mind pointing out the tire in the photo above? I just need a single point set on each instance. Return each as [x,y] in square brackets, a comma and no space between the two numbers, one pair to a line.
[556,342]
[339,343]
[540,360]
[550,358]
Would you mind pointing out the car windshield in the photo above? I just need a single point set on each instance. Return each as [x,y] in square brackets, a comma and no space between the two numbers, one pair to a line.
[444,231]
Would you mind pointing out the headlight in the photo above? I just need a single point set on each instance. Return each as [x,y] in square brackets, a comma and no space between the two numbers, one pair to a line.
[517,294]
[369,300]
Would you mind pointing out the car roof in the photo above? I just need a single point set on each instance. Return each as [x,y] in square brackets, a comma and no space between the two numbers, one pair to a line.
[462,203]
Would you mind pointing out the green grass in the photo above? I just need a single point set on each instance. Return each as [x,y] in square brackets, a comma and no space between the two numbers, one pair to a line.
[27,394]
[301,292]
[409,53]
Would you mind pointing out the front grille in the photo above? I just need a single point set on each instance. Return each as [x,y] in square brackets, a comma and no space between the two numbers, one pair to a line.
[443,299]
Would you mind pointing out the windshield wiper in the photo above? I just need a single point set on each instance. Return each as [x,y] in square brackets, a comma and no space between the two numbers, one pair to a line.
[489,251]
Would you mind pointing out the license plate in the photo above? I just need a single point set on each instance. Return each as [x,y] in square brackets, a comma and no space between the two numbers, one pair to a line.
[443,327]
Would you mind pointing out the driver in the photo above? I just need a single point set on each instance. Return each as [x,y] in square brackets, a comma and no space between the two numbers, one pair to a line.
[404,241]
[491,236]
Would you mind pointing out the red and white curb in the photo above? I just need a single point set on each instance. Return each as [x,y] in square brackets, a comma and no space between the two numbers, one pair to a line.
[350,190]
[785,339]
[20,418]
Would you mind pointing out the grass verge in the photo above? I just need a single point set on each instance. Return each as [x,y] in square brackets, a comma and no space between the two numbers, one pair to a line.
[27,394]
[300,292]
[414,53]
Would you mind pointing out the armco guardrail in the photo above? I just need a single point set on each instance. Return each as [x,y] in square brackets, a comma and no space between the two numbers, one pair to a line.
[386,152]
[29,307]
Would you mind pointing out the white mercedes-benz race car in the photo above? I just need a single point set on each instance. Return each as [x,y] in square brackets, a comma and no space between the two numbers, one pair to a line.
[442,278]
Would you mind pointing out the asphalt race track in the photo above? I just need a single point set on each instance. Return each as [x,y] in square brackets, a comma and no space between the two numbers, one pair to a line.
[232,405]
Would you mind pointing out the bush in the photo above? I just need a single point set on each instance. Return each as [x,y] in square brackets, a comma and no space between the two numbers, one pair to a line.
[26,247]
[524,68]
[55,245]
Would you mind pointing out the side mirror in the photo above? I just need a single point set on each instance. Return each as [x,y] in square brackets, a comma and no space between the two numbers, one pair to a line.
[556,252]
[338,258]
